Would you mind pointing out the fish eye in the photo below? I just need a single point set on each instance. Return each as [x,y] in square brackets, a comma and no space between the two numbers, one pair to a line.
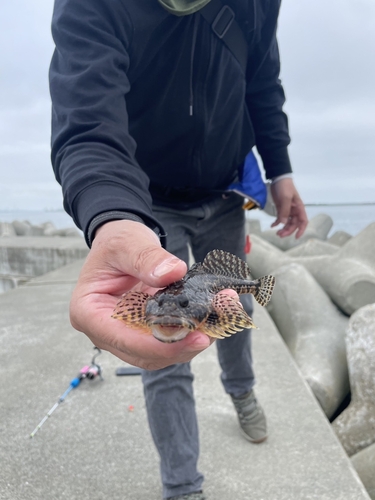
[183,301]
[161,300]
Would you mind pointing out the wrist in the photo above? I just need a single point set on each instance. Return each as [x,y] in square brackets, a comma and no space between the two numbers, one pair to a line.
[274,180]
[128,232]
[105,217]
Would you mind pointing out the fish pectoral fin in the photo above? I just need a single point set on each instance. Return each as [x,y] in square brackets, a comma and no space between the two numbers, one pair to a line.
[212,332]
[131,309]
[263,290]
[227,318]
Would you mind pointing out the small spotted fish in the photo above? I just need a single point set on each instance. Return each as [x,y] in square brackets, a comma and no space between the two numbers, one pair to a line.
[193,303]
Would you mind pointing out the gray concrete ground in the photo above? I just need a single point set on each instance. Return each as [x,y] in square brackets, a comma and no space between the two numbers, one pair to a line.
[94,448]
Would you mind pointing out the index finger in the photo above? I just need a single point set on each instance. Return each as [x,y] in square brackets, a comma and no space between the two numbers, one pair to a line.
[297,220]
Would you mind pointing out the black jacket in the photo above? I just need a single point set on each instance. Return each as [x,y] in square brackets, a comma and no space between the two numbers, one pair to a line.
[123,77]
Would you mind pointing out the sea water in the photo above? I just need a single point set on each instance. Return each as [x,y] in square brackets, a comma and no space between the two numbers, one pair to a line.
[59,218]
[349,218]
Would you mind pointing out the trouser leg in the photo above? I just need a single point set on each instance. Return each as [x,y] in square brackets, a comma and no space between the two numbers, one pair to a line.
[174,428]
[170,400]
[169,392]
[224,229]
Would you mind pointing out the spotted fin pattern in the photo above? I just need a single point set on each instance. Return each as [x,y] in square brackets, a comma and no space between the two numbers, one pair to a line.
[226,264]
[131,309]
[228,318]
[263,292]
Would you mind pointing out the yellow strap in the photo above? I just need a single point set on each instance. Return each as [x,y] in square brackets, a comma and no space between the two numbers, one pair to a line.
[249,205]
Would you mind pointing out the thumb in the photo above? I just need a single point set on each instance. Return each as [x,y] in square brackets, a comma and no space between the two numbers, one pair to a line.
[135,250]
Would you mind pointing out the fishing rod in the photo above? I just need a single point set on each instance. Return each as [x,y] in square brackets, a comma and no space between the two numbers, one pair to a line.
[88,371]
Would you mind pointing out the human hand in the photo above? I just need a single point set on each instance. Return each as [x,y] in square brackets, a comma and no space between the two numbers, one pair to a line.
[127,255]
[290,208]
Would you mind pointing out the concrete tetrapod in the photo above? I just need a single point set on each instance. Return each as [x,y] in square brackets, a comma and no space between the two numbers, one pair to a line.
[348,280]
[361,246]
[6,229]
[339,238]
[22,228]
[314,330]
[264,257]
[312,248]
[364,464]
[355,426]
[318,227]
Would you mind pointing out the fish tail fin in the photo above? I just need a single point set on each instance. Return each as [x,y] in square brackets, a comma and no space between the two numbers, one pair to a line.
[263,289]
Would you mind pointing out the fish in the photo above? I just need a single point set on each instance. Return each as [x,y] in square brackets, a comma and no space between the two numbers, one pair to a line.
[193,303]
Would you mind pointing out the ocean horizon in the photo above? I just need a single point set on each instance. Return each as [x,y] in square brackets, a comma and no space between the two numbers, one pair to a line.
[348,217]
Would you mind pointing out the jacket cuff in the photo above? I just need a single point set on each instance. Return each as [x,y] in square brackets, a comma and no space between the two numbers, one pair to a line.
[99,204]
[101,219]
[276,163]
[104,217]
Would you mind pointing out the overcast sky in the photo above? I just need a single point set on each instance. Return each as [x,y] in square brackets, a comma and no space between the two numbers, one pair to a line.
[328,71]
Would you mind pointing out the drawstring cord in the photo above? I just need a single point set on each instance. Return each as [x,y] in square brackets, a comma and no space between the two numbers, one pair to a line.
[195,33]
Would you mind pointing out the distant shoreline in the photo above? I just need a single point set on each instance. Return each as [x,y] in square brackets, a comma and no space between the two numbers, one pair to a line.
[322,204]
[358,204]
[349,217]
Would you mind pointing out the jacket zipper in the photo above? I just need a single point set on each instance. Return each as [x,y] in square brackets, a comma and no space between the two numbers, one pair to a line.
[198,91]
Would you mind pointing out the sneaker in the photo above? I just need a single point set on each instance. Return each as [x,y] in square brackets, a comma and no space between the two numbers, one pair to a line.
[198,495]
[251,418]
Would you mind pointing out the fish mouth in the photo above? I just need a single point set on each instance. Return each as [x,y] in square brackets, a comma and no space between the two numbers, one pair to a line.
[170,329]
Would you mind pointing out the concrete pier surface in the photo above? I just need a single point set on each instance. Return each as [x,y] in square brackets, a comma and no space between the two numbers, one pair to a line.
[94,448]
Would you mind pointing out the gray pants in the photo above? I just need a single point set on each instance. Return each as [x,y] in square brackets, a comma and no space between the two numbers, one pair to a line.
[169,391]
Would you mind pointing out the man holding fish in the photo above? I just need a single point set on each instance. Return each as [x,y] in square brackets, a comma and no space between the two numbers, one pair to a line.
[153,118]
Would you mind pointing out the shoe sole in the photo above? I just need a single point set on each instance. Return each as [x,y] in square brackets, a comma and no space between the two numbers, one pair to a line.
[254,441]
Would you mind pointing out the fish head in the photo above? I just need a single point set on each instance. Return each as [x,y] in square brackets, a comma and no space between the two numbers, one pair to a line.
[170,328]
[171,317]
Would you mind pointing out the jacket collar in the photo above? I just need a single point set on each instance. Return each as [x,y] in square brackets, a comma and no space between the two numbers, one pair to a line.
[183,7]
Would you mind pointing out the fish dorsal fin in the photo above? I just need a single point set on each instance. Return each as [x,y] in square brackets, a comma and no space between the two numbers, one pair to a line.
[226,264]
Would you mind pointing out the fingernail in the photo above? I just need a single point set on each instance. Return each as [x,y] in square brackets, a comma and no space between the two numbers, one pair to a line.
[165,267]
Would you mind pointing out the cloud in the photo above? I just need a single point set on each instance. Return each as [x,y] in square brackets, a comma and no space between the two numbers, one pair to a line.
[26,177]
[326,49]
[327,53]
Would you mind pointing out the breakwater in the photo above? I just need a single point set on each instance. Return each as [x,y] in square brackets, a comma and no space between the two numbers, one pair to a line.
[324,308]
[28,250]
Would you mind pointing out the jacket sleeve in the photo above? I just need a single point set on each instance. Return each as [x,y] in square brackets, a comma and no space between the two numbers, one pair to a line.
[93,154]
[265,97]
